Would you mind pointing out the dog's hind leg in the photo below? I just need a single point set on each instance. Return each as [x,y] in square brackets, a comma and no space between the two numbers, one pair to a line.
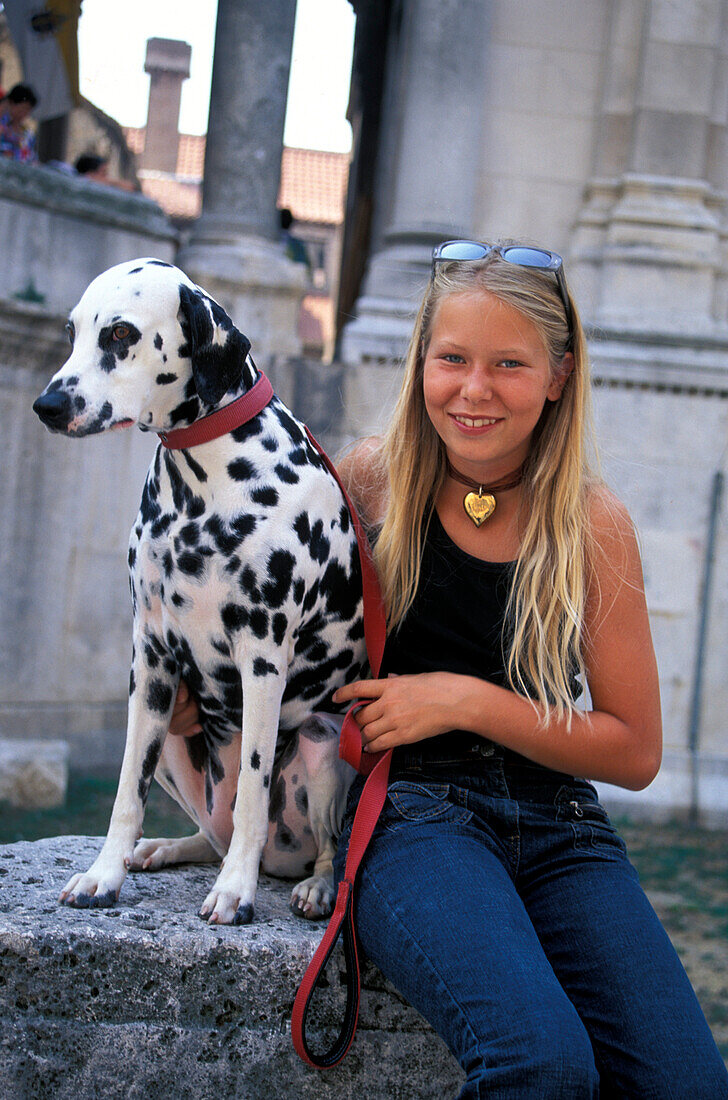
[152,855]
[327,782]
[153,684]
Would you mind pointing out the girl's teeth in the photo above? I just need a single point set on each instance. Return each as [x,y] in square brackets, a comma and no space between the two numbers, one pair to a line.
[475,423]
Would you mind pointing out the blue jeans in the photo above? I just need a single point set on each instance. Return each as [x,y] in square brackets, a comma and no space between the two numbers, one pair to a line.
[498,898]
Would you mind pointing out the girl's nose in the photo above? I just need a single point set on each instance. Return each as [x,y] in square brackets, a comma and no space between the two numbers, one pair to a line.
[477,385]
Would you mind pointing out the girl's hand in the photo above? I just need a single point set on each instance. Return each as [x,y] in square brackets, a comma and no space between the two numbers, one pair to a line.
[402,709]
[185,716]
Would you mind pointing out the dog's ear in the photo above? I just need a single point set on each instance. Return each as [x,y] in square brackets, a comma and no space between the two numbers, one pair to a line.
[215,347]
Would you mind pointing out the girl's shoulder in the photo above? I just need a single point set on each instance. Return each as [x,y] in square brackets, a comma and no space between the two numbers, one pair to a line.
[613,545]
[363,471]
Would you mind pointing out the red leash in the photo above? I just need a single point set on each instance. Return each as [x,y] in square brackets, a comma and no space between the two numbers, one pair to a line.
[375,765]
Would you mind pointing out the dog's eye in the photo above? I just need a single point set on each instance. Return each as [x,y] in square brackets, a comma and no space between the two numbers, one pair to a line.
[71,332]
[120,332]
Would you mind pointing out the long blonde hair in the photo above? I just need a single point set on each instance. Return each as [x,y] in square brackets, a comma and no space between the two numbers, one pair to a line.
[543,631]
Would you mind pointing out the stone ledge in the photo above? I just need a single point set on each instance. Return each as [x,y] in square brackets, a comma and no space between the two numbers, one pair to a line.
[147,998]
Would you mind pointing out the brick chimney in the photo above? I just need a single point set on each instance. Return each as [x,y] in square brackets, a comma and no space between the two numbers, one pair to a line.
[168,65]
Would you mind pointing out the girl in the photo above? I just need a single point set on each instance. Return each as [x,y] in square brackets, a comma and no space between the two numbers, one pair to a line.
[495,893]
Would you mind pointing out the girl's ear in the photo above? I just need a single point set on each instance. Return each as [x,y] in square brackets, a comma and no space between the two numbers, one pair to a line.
[559,380]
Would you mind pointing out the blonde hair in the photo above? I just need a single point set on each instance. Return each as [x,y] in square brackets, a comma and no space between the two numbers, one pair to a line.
[543,630]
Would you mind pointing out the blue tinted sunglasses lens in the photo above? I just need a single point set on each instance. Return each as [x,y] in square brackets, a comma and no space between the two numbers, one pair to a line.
[527,257]
[462,250]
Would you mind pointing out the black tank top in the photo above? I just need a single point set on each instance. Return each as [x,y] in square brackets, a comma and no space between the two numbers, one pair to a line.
[455,623]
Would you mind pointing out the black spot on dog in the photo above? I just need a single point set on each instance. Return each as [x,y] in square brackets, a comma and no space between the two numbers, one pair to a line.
[266,780]
[258,621]
[158,263]
[255,760]
[299,588]
[302,527]
[248,583]
[286,421]
[134,271]
[298,457]
[160,525]
[266,496]
[319,545]
[185,412]
[131,557]
[234,616]
[244,525]
[356,631]
[177,600]
[270,444]
[344,519]
[261,667]
[197,470]
[191,563]
[279,627]
[148,768]
[165,379]
[280,572]
[221,646]
[158,342]
[342,597]
[311,596]
[247,431]
[286,474]
[159,696]
[226,674]
[301,800]
[150,655]
[132,682]
[241,470]
[228,540]
[190,534]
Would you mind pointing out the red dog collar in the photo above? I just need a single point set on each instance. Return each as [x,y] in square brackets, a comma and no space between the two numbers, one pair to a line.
[222,421]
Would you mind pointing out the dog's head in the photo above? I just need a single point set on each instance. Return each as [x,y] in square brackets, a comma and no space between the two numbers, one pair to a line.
[149,348]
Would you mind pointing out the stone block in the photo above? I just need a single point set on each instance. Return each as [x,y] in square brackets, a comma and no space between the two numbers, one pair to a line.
[146,999]
[33,774]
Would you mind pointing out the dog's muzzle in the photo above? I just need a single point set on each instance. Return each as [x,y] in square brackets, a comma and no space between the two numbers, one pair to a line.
[55,410]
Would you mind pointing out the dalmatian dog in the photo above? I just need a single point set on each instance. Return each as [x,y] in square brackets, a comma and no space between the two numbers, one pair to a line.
[245,582]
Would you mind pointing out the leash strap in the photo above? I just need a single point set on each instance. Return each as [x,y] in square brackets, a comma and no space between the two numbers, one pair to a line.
[376,766]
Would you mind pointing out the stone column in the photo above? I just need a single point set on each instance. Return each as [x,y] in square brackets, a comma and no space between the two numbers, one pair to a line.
[426,187]
[235,250]
[650,265]
[646,246]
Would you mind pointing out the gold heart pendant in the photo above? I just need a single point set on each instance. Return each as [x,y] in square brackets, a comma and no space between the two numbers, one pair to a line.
[478,507]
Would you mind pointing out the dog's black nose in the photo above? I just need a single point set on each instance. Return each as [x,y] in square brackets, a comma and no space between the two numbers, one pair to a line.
[54,409]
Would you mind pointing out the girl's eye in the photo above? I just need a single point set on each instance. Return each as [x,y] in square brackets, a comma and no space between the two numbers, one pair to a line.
[451,357]
[120,332]
[70,330]
[511,363]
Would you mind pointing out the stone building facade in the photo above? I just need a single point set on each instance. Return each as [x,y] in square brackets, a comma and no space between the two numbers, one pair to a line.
[597,128]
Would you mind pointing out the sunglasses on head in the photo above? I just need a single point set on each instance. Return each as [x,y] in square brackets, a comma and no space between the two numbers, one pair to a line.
[539,259]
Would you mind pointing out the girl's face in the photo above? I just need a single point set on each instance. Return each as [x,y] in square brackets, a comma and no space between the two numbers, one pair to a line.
[486,379]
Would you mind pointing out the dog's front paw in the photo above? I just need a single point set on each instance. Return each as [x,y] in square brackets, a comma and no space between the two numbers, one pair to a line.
[95,889]
[227,903]
[313,898]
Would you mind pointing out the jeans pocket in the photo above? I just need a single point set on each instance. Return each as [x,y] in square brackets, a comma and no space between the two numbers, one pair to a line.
[409,802]
[592,829]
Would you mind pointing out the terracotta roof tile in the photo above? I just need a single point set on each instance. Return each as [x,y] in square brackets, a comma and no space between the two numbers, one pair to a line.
[313,183]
